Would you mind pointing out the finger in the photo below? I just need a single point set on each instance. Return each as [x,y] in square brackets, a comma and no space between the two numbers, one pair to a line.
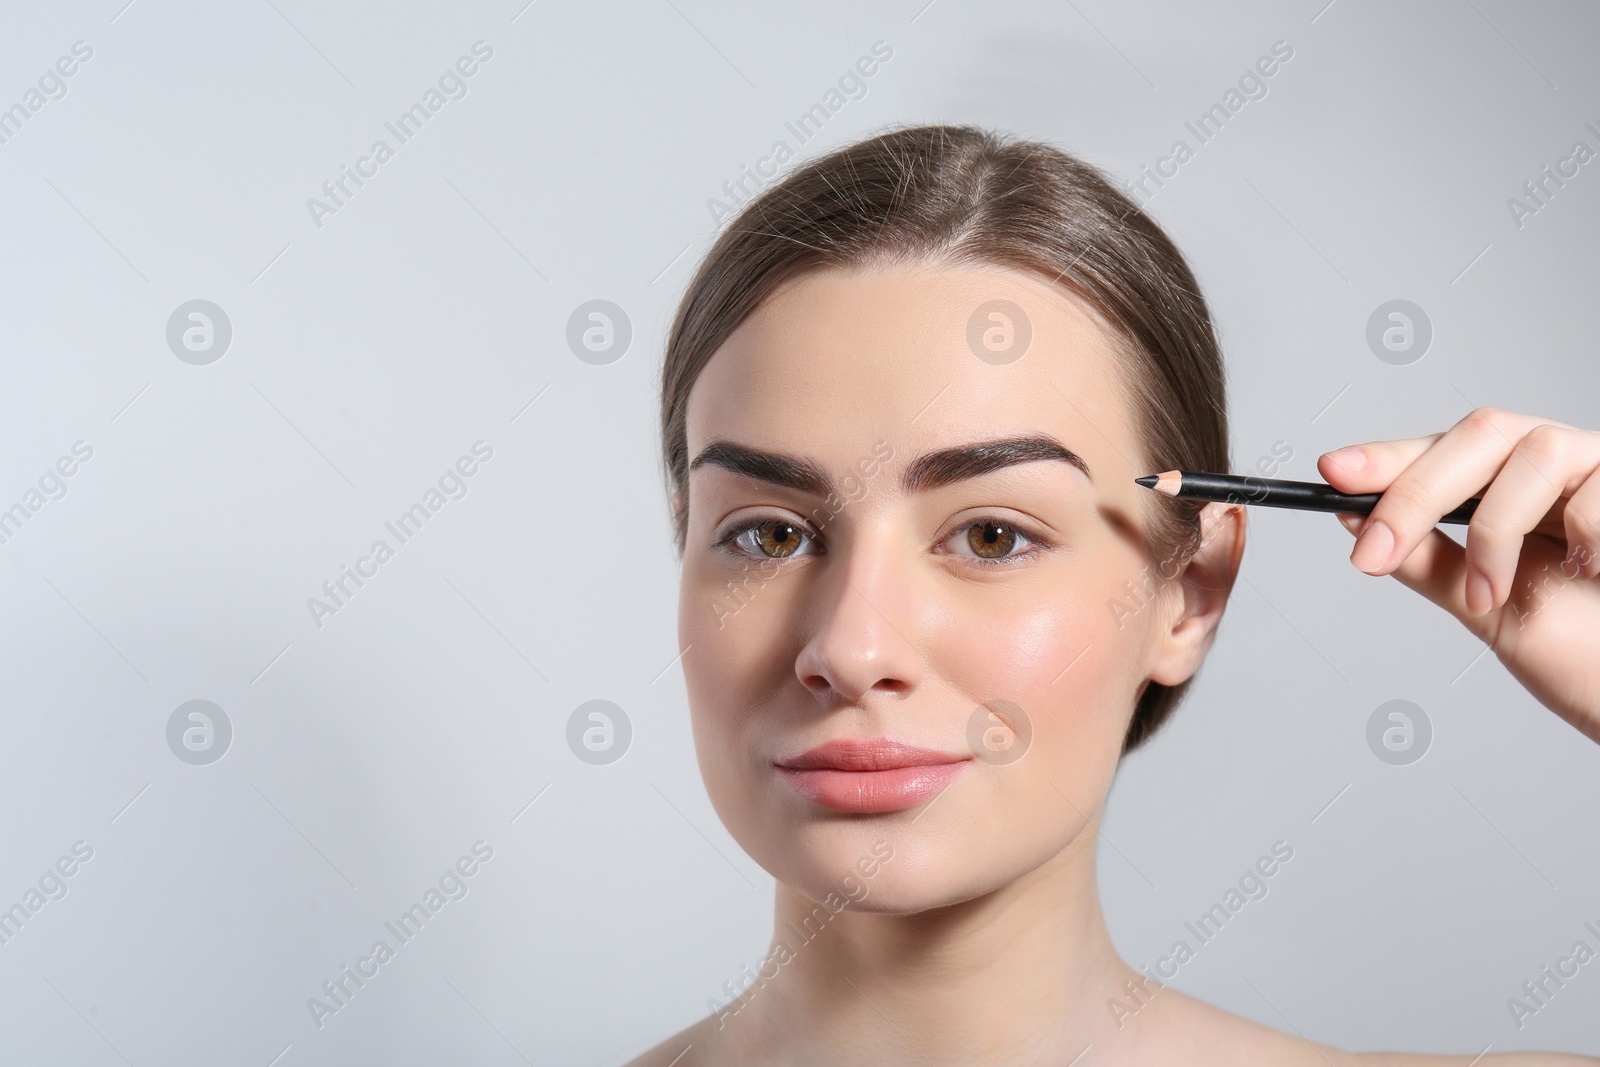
[1582,525]
[1465,459]
[1369,468]
[1547,463]
[1436,568]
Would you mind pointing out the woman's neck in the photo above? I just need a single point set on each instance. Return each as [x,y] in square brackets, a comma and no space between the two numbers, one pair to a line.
[1017,976]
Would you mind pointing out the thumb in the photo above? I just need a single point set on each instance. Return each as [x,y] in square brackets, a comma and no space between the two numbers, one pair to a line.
[1436,568]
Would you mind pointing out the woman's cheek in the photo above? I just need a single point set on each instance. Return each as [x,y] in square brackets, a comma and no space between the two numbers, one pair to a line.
[1063,660]
[1041,645]
[737,659]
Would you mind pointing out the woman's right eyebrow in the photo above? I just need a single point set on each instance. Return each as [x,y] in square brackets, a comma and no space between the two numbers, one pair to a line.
[931,470]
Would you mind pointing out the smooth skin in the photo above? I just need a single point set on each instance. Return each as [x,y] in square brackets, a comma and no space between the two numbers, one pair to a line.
[981,940]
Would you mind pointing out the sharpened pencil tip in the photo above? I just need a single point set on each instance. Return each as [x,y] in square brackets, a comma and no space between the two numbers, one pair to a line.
[1168,482]
[1148,481]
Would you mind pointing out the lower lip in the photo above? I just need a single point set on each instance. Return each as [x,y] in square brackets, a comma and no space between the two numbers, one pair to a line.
[873,791]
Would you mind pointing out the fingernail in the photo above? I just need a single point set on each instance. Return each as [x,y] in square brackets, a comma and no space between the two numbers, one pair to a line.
[1373,547]
[1350,459]
[1480,594]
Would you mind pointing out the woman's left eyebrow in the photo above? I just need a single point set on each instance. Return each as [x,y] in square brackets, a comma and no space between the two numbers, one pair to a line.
[931,470]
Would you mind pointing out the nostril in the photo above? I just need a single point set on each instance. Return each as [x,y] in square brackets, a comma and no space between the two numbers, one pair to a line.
[818,685]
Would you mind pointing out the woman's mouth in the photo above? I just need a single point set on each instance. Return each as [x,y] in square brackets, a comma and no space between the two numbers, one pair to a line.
[873,775]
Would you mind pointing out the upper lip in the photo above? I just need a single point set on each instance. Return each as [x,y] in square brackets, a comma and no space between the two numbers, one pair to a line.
[871,754]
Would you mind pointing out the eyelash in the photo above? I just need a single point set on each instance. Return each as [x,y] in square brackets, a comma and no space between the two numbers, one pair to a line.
[1036,543]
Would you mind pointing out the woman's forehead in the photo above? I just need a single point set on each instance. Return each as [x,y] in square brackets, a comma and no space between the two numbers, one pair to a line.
[840,360]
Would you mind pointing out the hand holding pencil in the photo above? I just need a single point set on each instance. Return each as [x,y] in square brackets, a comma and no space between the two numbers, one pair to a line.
[1524,582]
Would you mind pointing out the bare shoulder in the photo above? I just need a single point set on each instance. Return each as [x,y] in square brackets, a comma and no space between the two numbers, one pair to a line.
[1191,1030]
[1177,1028]
[1498,1059]
[686,1048]
[1182,1029]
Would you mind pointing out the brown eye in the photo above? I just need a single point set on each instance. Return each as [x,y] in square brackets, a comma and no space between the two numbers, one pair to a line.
[777,539]
[991,540]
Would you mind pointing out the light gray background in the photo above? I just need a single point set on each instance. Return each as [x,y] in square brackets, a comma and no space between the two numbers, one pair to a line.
[368,354]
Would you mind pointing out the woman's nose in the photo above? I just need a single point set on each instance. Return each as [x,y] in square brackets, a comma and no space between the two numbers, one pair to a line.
[863,619]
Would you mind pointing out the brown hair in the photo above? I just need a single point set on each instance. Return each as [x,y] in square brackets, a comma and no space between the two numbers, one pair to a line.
[965,195]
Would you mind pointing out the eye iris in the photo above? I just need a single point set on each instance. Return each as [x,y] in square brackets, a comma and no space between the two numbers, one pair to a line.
[777,539]
[991,540]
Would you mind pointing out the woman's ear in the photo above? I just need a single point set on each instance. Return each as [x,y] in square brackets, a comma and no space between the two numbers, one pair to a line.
[1198,594]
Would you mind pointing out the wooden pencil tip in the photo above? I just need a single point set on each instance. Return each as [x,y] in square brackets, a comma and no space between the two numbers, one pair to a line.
[1168,482]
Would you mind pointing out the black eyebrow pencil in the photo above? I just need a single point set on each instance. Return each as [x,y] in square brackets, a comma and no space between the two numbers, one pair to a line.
[1276,493]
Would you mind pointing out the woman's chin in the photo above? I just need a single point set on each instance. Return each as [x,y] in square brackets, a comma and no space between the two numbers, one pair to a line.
[912,894]
[885,871]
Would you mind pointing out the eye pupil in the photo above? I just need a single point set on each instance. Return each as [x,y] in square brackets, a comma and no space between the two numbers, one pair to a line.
[778,539]
[991,540]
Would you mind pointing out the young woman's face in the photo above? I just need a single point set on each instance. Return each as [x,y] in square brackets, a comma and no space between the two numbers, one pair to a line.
[906,613]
